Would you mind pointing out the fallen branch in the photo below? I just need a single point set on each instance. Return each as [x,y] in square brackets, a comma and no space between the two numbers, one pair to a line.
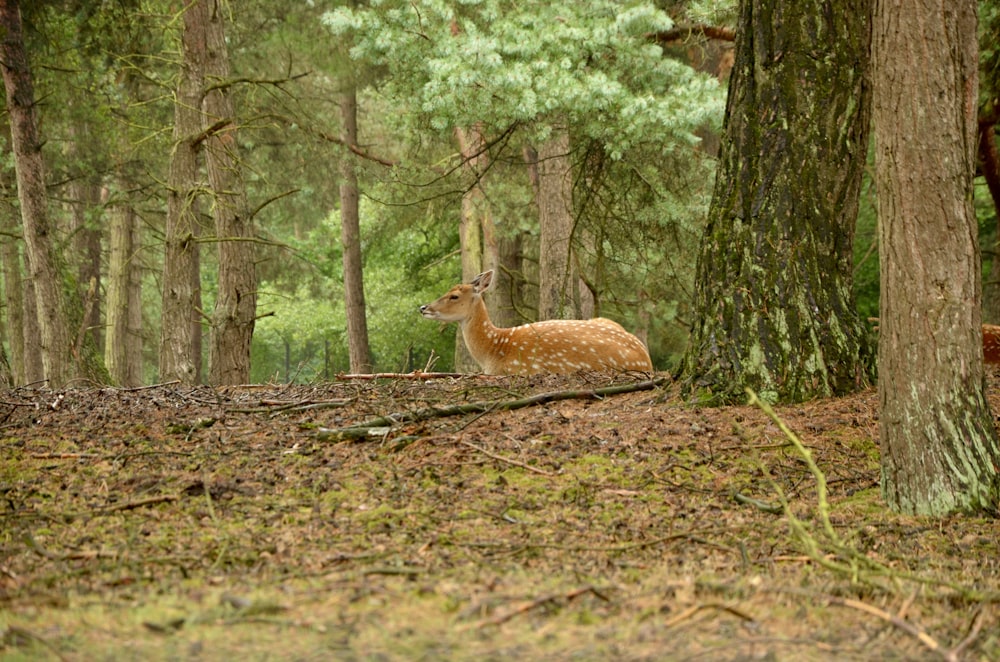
[506,459]
[401,375]
[380,423]
[694,609]
[525,607]
[899,622]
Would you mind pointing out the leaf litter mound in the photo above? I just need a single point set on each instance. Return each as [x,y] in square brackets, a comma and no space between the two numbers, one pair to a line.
[584,517]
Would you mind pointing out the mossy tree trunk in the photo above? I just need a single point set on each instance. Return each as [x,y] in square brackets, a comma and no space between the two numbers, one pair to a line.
[774,304]
[939,445]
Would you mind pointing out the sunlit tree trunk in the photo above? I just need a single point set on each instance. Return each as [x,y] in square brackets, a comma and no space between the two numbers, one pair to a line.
[939,446]
[350,236]
[180,347]
[38,231]
[774,308]
[236,300]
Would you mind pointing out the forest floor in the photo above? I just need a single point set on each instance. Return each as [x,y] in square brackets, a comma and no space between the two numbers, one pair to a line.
[172,523]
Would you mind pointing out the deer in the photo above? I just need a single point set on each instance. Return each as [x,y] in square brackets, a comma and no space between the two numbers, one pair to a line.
[551,346]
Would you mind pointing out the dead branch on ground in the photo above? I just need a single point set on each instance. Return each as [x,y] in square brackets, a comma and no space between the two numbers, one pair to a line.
[381,425]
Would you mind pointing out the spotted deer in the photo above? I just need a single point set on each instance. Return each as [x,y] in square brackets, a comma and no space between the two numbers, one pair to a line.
[555,346]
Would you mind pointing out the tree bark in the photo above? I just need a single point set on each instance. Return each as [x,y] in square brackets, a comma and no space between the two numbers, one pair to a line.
[123,345]
[477,235]
[774,309]
[13,279]
[180,347]
[350,237]
[555,228]
[236,300]
[940,452]
[45,269]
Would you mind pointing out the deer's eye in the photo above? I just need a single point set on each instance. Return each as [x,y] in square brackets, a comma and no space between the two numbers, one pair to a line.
[453,297]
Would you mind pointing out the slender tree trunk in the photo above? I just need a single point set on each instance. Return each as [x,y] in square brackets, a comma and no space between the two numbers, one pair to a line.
[123,346]
[350,236]
[180,346]
[14,307]
[13,274]
[555,221]
[774,309]
[45,272]
[85,200]
[940,452]
[236,301]
[477,235]
[34,365]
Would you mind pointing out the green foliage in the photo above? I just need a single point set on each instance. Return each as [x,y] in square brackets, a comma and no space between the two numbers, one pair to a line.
[302,334]
[505,63]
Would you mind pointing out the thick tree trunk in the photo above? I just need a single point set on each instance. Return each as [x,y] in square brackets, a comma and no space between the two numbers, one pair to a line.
[555,228]
[180,346]
[236,301]
[774,310]
[350,237]
[939,446]
[45,272]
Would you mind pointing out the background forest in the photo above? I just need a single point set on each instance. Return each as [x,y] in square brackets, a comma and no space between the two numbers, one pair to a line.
[476,123]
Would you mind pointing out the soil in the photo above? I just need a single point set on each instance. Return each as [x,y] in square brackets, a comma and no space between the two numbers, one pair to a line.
[171,522]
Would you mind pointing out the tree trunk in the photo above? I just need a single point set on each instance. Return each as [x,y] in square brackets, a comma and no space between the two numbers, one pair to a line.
[236,300]
[180,347]
[939,446]
[34,365]
[123,344]
[85,200]
[477,236]
[774,309]
[350,236]
[45,271]
[13,280]
[555,228]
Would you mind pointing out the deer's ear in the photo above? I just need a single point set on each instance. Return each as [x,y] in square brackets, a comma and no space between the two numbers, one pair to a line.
[482,282]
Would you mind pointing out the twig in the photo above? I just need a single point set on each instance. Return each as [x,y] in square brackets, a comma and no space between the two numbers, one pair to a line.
[694,609]
[25,633]
[898,622]
[525,607]
[505,459]
[131,505]
[977,625]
